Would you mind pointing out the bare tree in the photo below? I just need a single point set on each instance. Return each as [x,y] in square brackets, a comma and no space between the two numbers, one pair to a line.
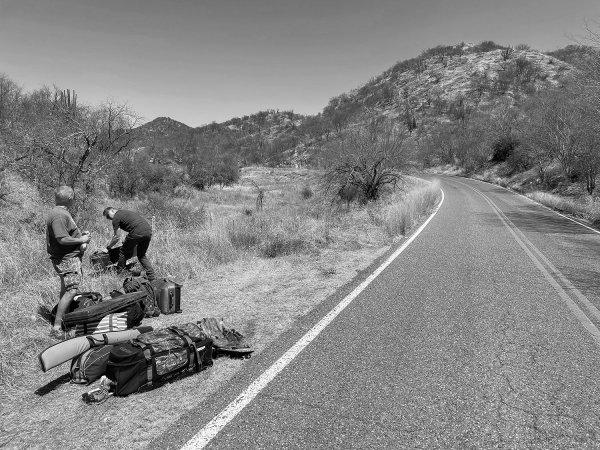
[368,159]
[62,142]
[553,127]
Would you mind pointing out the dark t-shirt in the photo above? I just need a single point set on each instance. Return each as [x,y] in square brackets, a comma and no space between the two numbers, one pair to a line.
[131,222]
[60,224]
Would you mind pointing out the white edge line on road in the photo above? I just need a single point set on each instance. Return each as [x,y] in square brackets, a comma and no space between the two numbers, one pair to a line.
[537,203]
[212,428]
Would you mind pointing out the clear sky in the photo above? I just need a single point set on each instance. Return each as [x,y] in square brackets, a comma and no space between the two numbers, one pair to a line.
[202,60]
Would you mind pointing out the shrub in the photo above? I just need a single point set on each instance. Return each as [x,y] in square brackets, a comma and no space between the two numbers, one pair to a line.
[502,148]
[306,192]
[170,213]
[518,160]
[135,176]
[487,46]
[281,244]
[245,233]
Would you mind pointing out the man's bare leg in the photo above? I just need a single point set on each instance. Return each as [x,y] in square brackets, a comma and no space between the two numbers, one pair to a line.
[63,306]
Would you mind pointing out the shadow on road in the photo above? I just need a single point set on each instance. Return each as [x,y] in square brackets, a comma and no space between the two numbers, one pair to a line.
[532,219]
[583,279]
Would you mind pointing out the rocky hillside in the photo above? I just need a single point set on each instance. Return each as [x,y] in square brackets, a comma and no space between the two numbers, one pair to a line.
[442,84]
[444,80]
[250,138]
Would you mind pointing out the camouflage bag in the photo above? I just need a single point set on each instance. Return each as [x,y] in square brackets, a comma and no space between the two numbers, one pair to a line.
[158,357]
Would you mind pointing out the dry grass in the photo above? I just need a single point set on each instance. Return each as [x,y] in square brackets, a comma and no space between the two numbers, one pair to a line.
[587,208]
[260,270]
[403,211]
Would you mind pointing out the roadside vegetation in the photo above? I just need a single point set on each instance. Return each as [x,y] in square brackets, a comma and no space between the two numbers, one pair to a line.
[260,265]
[262,217]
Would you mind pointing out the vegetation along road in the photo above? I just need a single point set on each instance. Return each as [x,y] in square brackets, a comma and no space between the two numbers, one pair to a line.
[481,334]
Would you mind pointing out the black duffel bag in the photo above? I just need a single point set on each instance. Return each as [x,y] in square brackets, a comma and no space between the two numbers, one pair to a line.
[80,301]
[102,260]
[157,357]
[97,312]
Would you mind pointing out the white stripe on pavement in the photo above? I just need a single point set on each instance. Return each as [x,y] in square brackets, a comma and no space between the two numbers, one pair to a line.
[212,428]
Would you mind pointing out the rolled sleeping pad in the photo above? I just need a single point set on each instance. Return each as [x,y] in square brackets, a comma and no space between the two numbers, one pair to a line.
[64,351]
[98,311]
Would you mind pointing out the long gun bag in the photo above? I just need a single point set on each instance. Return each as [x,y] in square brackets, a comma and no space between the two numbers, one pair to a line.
[66,350]
[98,312]
[154,358]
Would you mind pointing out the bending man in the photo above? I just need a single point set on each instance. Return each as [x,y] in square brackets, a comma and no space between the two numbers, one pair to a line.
[139,234]
[65,245]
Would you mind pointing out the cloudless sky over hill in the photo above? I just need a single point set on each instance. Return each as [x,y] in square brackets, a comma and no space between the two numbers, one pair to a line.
[198,61]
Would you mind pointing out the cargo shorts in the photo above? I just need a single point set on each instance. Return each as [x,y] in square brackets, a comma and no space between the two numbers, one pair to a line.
[69,271]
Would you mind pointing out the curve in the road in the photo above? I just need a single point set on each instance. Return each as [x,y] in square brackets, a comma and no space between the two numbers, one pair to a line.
[539,260]
[475,337]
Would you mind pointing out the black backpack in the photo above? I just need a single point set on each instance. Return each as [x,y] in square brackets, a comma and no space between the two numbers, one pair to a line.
[142,284]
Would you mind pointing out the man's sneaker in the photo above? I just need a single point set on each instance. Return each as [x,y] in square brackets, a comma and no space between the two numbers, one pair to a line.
[101,394]
[97,396]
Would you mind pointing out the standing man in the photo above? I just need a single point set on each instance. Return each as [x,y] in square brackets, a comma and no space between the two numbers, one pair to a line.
[65,245]
[139,234]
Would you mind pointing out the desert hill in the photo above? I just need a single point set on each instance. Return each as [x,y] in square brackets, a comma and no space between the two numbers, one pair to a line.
[441,84]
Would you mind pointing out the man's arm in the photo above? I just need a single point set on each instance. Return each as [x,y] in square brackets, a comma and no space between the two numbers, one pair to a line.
[59,229]
[114,239]
[68,240]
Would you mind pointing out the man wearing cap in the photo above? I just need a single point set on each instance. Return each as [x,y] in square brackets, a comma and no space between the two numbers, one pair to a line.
[139,234]
[65,244]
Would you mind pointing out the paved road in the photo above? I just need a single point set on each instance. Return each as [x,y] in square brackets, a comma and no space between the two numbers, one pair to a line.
[481,334]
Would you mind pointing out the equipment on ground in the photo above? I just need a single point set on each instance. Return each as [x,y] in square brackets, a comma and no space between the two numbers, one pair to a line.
[142,284]
[110,322]
[168,295]
[80,301]
[69,349]
[100,394]
[102,260]
[225,340]
[90,365]
[96,312]
[155,358]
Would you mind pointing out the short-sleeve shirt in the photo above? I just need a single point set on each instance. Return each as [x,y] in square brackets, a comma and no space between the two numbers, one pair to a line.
[131,222]
[60,224]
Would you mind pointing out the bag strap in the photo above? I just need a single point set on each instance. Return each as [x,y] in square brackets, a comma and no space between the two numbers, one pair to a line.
[93,342]
[190,347]
[148,352]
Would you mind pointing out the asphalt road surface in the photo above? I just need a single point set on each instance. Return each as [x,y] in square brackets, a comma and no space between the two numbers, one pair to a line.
[481,334]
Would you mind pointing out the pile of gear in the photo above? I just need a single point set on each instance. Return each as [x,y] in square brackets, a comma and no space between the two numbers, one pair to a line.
[111,346]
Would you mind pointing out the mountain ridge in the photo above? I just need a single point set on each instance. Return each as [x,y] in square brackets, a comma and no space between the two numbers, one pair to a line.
[438,85]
